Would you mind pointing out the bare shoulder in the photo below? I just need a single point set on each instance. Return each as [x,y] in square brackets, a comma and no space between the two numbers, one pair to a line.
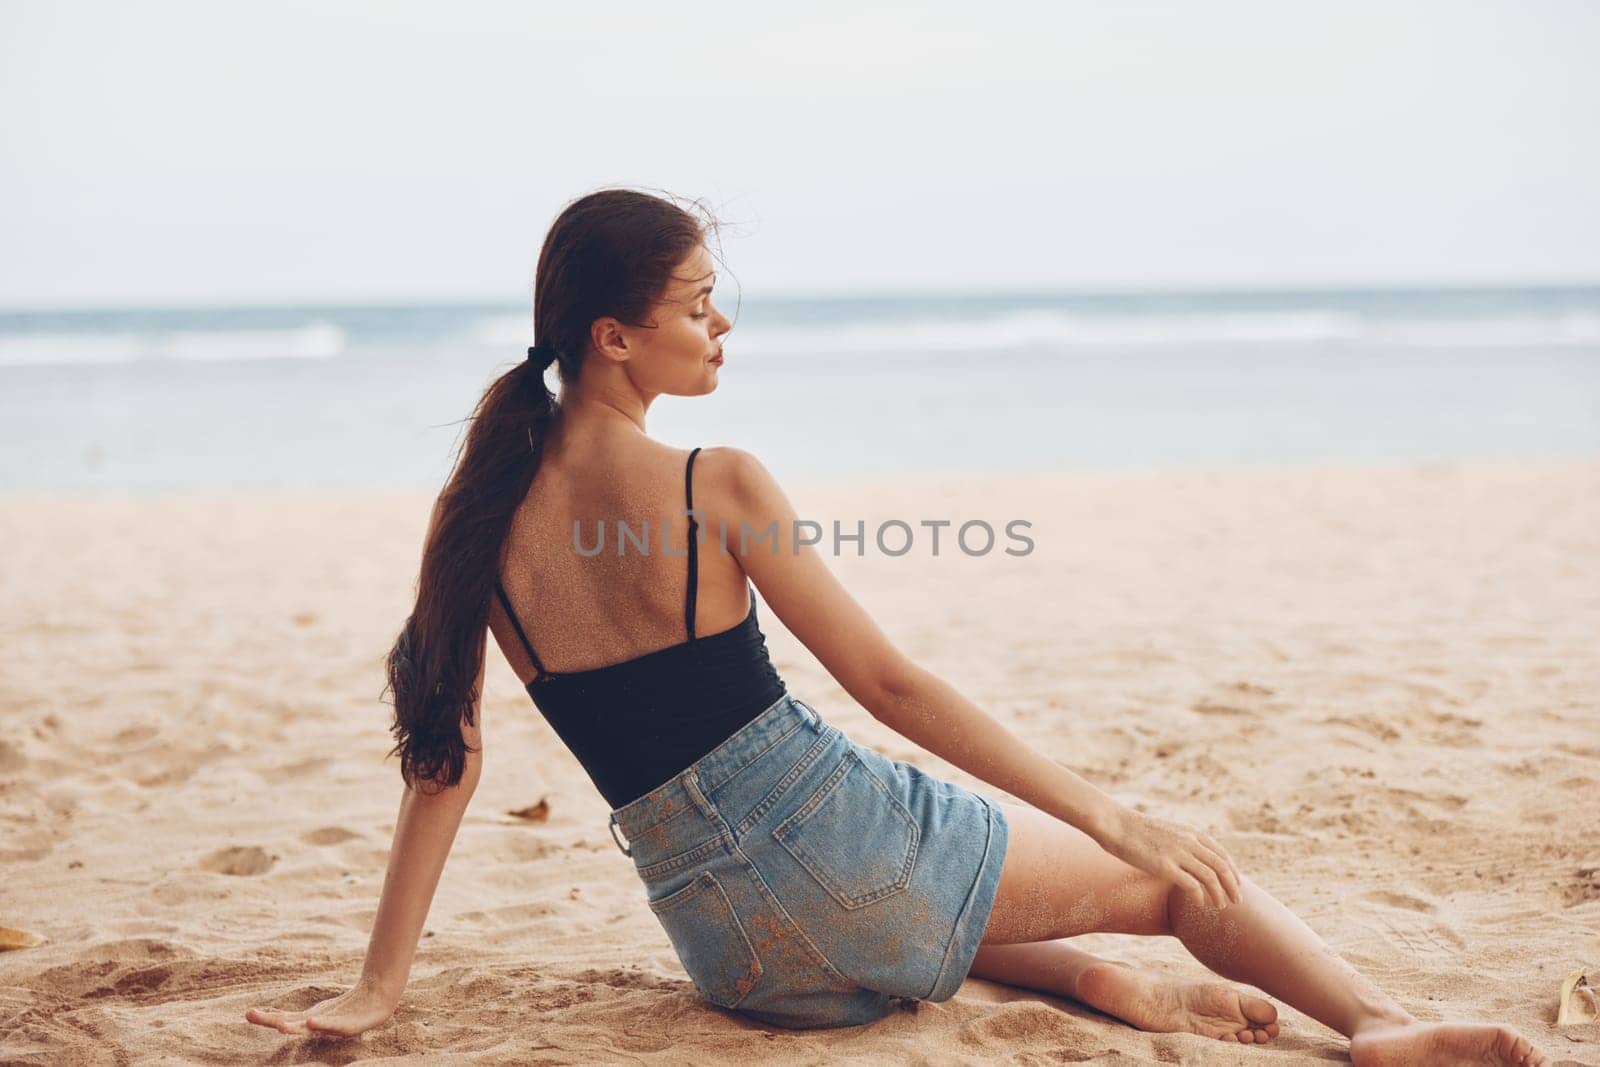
[728,464]
[736,491]
[735,479]
[795,580]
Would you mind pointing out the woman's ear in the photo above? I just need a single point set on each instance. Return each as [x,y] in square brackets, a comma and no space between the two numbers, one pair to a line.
[609,339]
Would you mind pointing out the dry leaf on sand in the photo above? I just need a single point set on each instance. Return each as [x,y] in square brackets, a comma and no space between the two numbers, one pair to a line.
[537,813]
[14,939]
[1580,1001]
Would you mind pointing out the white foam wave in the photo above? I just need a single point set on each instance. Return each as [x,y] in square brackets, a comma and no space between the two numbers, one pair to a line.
[1055,329]
[502,331]
[1570,330]
[1041,330]
[1064,331]
[52,349]
[318,340]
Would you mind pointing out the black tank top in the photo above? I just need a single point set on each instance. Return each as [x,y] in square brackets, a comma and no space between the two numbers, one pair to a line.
[635,724]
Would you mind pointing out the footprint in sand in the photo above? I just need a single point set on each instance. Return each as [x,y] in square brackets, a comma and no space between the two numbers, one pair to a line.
[12,761]
[328,835]
[1394,899]
[239,860]
[1582,886]
[1247,699]
[304,767]
[513,917]
[137,734]
[1371,725]
[165,777]
[1261,819]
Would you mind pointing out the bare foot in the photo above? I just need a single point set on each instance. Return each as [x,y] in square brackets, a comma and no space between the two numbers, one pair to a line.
[1151,1000]
[1419,1044]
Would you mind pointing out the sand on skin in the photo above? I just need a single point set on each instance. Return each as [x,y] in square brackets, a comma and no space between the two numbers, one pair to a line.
[1379,688]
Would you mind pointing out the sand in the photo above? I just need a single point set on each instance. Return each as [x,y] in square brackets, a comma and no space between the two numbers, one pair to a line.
[1379,688]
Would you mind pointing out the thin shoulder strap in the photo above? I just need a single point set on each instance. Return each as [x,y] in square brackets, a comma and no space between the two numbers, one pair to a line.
[694,554]
[505,602]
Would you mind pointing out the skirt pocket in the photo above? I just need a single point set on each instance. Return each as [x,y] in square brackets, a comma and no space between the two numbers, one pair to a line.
[853,835]
[710,941]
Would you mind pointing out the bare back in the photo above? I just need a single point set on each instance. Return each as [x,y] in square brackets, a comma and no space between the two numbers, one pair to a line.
[586,611]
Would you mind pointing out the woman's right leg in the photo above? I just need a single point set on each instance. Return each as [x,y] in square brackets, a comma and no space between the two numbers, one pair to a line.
[1057,882]
[1140,996]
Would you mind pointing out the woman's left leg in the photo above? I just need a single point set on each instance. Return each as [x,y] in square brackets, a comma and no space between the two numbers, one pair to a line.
[1258,941]
[1144,998]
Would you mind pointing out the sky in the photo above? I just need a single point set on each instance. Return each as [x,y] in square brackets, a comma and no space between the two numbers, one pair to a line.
[290,152]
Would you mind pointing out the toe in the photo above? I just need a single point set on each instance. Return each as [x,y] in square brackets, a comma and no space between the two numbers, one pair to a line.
[1258,1010]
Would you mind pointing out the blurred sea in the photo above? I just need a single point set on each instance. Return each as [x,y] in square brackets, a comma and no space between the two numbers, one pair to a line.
[143,402]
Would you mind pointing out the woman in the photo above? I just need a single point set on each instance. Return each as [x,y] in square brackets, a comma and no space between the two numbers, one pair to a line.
[803,880]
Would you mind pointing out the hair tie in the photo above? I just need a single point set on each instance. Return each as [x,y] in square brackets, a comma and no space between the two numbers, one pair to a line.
[543,355]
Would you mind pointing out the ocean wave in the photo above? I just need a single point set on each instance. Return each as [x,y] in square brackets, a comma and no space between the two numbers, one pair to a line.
[317,340]
[1061,331]
[1056,330]
[509,332]
[326,335]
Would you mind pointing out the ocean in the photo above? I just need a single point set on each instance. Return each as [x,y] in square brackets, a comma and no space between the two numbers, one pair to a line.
[199,400]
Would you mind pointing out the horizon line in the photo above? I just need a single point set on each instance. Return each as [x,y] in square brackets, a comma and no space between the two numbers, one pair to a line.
[796,294]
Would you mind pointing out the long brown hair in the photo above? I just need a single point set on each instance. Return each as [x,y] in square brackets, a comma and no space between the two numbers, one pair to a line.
[611,252]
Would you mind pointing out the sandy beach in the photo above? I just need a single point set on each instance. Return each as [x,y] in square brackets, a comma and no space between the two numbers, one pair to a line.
[1378,687]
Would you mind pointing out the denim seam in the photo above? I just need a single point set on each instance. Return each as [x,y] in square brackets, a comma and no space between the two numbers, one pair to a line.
[731,775]
[695,885]
[658,823]
[682,859]
[706,882]
[679,777]
[781,789]
[772,898]
[966,905]
[821,796]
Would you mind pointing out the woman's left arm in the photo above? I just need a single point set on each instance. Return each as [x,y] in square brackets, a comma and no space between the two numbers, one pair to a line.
[919,705]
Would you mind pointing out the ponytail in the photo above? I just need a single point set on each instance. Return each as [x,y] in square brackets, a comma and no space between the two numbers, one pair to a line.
[608,253]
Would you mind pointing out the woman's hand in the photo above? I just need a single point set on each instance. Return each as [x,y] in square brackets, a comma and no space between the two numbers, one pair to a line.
[345,1015]
[1173,851]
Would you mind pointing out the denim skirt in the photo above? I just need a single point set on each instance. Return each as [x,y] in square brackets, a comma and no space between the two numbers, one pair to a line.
[807,881]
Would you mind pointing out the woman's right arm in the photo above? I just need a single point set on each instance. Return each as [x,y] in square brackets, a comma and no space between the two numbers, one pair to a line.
[423,834]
